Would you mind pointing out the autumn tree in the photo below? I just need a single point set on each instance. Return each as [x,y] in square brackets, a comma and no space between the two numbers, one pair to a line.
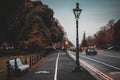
[29,22]
[104,36]
[116,36]
[41,16]
[8,12]
[90,40]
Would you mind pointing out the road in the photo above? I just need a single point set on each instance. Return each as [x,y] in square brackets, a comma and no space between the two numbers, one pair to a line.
[107,62]
[57,66]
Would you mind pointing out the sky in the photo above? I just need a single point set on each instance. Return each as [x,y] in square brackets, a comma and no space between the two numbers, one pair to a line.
[95,14]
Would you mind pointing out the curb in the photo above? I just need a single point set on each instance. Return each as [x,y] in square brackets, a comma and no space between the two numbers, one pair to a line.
[2,70]
[93,71]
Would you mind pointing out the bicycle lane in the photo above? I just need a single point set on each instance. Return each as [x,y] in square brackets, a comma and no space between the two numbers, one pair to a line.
[44,71]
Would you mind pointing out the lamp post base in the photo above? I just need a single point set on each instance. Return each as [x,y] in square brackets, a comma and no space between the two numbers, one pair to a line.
[77,69]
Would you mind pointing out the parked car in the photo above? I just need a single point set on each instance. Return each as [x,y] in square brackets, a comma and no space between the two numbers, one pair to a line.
[114,48]
[91,50]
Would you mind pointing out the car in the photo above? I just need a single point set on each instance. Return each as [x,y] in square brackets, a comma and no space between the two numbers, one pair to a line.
[72,49]
[114,48]
[91,50]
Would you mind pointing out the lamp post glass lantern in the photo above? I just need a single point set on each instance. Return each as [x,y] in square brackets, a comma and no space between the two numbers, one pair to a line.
[77,12]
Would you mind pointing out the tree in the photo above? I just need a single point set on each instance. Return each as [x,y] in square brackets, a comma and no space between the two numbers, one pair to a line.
[104,36]
[99,38]
[116,38]
[35,40]
[84,42]
[8,12]
[90,40]
[29,22]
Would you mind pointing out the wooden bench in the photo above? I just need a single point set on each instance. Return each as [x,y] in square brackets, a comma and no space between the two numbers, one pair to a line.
[18,65]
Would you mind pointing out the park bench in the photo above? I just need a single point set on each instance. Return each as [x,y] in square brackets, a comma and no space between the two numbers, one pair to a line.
[18,65]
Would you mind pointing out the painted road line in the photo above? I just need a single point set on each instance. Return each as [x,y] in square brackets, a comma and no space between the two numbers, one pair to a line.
[106,77]
[101,63]
[56,67]
[112,56]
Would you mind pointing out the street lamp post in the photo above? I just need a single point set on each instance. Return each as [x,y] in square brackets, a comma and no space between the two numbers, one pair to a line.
[77,12]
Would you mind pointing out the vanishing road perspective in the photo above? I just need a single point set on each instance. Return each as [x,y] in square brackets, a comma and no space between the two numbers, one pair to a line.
[60,40]
[105,64]
[59,65]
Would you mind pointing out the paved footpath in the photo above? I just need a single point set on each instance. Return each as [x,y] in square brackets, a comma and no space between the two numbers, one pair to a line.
[57,66]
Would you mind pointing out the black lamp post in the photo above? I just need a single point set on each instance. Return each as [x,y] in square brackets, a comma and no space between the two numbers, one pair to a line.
[77,12]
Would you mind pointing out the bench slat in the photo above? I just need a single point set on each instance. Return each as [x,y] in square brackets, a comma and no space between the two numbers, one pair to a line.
[20,66]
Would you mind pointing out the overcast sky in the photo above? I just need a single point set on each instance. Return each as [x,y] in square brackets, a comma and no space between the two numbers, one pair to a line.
[95,14]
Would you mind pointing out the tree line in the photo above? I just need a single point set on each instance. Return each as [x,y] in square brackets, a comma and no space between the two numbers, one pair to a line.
[26,23]
[108,35]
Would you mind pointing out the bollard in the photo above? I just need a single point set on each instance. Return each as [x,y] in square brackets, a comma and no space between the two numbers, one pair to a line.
[34,59]
[25,59]
[30,61]
[8,70]
[37,57]
[16,68]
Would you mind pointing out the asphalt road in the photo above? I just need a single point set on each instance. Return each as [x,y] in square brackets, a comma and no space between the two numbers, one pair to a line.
[57,66]
[107,62]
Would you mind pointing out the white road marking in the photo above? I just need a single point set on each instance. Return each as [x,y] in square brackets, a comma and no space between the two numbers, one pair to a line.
[56,67]
[102,63]
[115,73]
[106,77]
[42,72]
[112,56]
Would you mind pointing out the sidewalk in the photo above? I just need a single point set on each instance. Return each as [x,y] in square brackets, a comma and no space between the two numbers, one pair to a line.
[65,72]
[46,69]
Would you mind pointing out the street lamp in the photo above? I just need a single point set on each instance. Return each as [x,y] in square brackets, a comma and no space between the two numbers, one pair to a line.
[77,12]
